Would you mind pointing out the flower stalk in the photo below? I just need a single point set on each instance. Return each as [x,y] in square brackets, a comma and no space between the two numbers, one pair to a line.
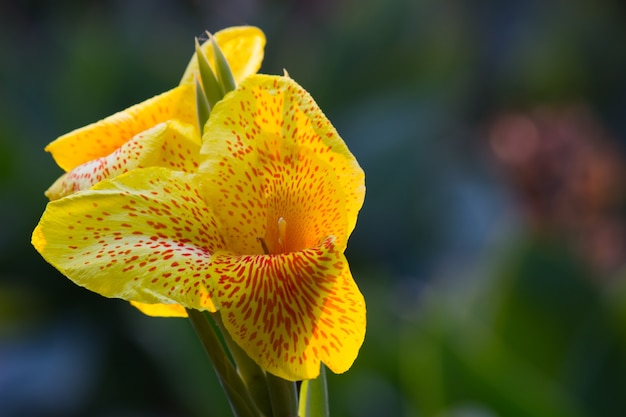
[283,395]
[236,391]
[252,375]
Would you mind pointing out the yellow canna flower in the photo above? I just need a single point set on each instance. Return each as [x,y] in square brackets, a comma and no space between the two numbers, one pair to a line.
[102,150]
[258,232]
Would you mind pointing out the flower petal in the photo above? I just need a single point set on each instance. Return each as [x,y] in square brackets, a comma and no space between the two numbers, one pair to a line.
[243,47]
[255,185]
[265,108]
[145,236]
[170,144]
[160,310]
[291,311]
[102,138]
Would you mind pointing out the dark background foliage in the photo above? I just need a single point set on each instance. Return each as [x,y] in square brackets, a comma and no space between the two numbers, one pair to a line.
[491,245]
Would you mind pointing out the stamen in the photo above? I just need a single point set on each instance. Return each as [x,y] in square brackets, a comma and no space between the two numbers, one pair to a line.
[263,245]
[282,233]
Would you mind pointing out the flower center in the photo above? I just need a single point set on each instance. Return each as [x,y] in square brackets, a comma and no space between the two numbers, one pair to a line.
[282,234]
[277,239]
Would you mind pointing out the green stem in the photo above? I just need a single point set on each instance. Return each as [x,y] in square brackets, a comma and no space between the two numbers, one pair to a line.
[251,373]
[314,397]
[240,400]
[283,395]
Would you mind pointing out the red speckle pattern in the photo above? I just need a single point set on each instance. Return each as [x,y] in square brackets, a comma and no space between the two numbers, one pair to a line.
[267,181]
[289,311]
[270,110]
[170,144]
[147,237]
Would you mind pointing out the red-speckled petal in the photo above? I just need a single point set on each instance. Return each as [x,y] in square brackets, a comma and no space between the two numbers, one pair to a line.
[145,236]
[243,48]
[291,311]
[170,144]
[253,186]
[102,138]
[271,106]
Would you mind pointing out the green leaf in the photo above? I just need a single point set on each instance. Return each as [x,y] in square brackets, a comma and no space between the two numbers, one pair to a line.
[224,74]
[210,84]
[202,106]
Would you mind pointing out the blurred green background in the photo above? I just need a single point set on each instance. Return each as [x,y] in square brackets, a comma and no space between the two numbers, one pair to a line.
[491,246]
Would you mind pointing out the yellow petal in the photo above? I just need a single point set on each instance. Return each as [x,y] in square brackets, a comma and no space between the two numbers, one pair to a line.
[268,108]
[271,190]
[291,311]
[243,47]
[160,310]
[170,144]
[102,138]
[145,236]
